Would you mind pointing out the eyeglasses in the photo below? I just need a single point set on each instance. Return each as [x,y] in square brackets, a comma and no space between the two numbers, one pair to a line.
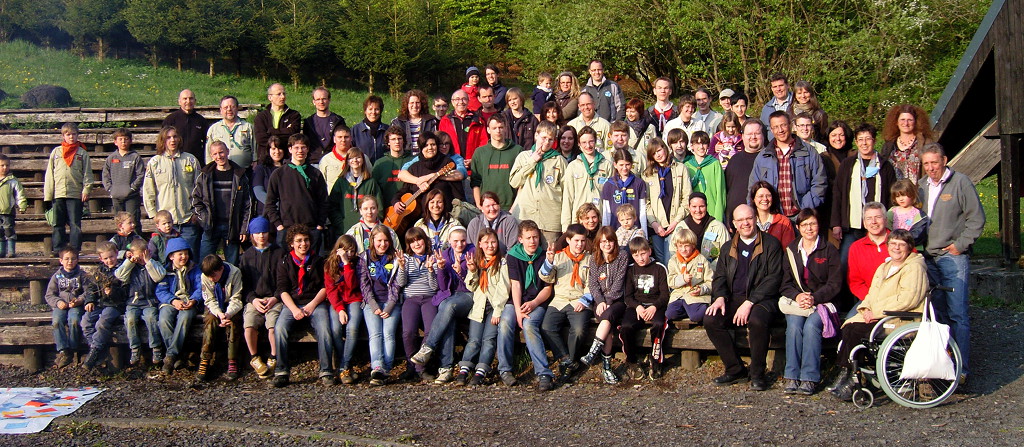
[459,100]
[809,225]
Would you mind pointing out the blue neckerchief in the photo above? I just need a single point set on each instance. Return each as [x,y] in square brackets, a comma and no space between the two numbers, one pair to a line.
[663,175]
[620,184]
[379,270]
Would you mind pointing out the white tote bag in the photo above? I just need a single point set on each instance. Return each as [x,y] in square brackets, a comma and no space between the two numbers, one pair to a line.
[927,357]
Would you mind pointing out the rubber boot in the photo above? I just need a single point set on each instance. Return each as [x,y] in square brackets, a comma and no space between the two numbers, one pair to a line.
[10,248]
[591,357]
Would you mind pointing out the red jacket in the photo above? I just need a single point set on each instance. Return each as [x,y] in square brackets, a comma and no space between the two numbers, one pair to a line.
[475,137]
[345,290]
[474,96]
[864,258]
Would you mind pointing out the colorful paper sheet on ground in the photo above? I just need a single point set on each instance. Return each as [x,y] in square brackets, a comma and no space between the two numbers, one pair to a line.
[30,410]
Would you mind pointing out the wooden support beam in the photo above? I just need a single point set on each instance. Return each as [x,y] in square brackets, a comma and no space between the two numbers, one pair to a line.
[1009,197]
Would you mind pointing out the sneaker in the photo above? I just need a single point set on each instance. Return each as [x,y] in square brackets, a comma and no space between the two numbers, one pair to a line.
[347,376]
[636,371]
[545,383]
[64,358]
[378,377]
[425,377]
[169,362]
[135,358]
[422,356]
[328,380]
[566,371]
[444,375]
[791,386]
[409,374]
[656,371]
[259,367]
[807,388]
[271,364]
[610,377]
[158,356]
[508,378]
[204,366]
[462,377]
[477,380]
[279,380]
[232,373]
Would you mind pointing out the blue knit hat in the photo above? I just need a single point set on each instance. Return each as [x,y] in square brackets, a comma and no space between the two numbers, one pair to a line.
[177,244]
[472,71]
[259,224]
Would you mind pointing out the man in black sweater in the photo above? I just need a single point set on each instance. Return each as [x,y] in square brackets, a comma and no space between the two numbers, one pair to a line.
[297,194]
[737,173]
[191,126]
[746,290]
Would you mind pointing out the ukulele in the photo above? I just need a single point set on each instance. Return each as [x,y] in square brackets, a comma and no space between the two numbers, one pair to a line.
[394,219]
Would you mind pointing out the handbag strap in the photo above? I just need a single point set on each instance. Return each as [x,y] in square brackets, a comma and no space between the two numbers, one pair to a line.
[796,272]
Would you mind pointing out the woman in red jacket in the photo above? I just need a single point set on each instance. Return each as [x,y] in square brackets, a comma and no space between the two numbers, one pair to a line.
[341,279]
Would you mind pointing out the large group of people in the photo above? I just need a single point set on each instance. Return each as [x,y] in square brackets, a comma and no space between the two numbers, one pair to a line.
[585,208]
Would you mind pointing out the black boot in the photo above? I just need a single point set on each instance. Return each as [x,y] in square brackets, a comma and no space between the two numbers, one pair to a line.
[844,375]
[609,375]
[591,357]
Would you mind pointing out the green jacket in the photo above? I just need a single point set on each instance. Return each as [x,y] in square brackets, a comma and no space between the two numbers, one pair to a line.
[67,182]
[385,173]
[490,169]
[11,191]
[344,200]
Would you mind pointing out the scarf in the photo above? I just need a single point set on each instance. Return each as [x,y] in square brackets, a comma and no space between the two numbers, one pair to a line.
[684,261]
[538,169]
[859,189]
[663,175]
[575,279]
[301,170]
[364,232]
[698,176]
[592,168]
[517,251]
[340,156]
[485,272]
[379,268]
[301,262]
[69,151]
[436,227]
[623,184]
[638,126]
[698,228]
[373,126]
[562,98]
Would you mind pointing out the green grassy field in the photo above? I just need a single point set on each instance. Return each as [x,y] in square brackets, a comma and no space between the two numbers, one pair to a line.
[129,83]
[988,244]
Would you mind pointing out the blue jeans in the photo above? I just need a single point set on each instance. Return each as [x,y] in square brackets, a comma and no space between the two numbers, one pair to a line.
[534,340]
[803,347]
[442,329]
[679,309]
[951,307]
[345,336]
[150,317]
[101,324]
[481,345]
[382,333]
[554,319]
[660,246]
[67,327]
[67,211]
[191,233]
[174,326]
[212,238]
[320,320]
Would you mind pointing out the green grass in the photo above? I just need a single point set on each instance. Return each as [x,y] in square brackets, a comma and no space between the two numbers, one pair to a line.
[135,83]
[988,244]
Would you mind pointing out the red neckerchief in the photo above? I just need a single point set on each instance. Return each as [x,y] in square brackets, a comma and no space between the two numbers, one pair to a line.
[301,262]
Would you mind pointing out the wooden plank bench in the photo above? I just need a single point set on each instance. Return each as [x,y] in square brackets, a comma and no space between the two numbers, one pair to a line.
[112,114]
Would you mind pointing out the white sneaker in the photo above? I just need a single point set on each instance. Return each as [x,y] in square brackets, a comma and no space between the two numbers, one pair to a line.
[444,375]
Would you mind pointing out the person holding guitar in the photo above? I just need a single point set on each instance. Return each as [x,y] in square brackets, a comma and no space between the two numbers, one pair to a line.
[432,169]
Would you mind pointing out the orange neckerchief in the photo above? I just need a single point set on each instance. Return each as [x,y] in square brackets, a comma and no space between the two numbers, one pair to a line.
[575,266]
[485,271]
[340,156]
[684,261]
[69,151]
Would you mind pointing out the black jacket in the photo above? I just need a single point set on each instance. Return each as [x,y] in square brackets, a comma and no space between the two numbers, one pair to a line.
[287,276]
[258,269]
[825,277]
[290,124]
[316,146]
[290,200]
[520,130]
[242,199]
[840,213]
[765,273]
[118,293]
[192,129]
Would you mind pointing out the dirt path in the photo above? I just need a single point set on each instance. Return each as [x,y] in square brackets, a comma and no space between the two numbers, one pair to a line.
[682,408]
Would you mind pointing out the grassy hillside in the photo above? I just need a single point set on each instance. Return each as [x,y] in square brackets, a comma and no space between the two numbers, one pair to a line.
[135,83]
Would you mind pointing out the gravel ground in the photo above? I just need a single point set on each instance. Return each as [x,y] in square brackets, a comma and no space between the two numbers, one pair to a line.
[682,407]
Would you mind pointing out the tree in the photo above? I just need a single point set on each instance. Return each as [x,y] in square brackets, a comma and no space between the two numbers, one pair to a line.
[221,24]
[161,25]
[298,39]
[391,38]
[88,20]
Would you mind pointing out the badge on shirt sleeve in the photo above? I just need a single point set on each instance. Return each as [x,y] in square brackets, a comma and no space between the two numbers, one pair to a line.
[549,179]
[602,180]
[617,196]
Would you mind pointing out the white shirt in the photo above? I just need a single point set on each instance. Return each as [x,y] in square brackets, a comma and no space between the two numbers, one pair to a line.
[934,188]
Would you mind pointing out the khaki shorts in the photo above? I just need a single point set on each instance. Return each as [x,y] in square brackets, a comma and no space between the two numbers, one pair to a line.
[253,318]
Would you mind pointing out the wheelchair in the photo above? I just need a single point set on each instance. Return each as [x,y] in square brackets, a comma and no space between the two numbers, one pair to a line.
[885,355]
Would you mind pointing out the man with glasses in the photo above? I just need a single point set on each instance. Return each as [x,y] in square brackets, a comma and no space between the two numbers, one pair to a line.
[462,125]
[609,101]
[746,290]
[792,167]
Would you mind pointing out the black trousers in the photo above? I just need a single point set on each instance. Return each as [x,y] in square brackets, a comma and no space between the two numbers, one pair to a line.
[719,329]
[631,323]
[853,335]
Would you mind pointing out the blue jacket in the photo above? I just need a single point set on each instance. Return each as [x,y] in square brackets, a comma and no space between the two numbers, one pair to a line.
[362,137]
[165,289]
[809,181]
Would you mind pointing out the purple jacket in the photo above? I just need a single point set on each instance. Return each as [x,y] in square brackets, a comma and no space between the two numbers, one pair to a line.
[450,282]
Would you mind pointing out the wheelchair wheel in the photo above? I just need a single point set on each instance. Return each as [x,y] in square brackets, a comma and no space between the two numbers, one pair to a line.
[863,398]
[912,393]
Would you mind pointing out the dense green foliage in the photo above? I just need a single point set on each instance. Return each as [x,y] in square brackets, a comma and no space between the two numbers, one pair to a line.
[863,55]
